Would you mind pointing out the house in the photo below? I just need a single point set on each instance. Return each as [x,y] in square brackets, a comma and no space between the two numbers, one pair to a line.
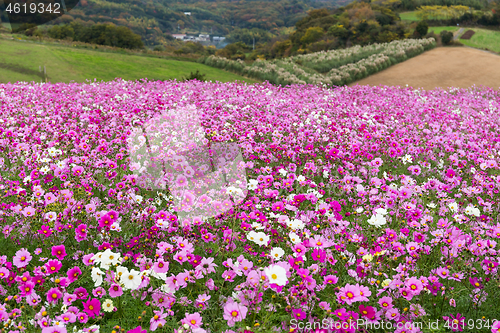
[187,13]
[203,38]
[179,36]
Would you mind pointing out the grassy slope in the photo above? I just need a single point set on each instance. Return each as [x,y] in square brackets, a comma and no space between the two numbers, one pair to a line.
[484,39]
[65,64]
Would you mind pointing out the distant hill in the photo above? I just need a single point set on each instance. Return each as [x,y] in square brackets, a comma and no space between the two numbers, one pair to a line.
[156,20]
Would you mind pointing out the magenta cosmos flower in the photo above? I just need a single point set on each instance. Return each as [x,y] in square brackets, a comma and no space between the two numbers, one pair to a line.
[138,329]
[53,266]
[92,307]
[53,295]
[59,251]
[22,258]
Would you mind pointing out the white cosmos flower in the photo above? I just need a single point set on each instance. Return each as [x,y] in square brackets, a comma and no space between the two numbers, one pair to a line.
[97,276]
[407,159]
[51,216]
[120,271]
[453,206]
[296,224]
[276,275]
[252,236]
[431,205]
[277,253]
[261,238]
[108,258]
[131,280]
[381,211]
[294,238]
[252,184]
[476,212]
[257,226]
[377,220]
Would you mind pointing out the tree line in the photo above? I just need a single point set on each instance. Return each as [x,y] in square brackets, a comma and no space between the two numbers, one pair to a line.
[101,34]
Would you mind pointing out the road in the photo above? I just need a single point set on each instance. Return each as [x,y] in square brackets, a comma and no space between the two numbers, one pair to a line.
[455,37]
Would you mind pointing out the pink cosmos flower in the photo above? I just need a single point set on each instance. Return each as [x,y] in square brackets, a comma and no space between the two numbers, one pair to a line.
[385,302]
[22,258]
[28,211]
[158,320]
[234,312]
[115,290]
[160,266]
[415,285]
[193,320]
[349,294]
[450,173]
[496,327]
[82,317]
[77,170]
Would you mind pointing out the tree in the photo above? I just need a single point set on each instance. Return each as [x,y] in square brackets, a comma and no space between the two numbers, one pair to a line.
[422,28]
[312,35]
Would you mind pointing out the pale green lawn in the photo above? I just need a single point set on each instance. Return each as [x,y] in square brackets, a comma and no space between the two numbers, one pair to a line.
[483,39]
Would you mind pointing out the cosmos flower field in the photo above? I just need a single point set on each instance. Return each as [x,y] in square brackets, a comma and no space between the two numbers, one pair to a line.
[360,206]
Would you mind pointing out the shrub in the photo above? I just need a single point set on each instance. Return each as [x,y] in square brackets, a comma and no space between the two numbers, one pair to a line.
[446,37]
[195,76]
[422,28]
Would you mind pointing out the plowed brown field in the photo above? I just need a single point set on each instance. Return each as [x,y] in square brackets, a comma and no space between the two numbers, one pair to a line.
[443,67]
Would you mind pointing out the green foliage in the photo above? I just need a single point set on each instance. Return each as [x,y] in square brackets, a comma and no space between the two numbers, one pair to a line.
[339,31]
[102,34]
[190,48]
[234,51]
[446,37]
[23,27]
[247,36]
[422,28]
[312,35]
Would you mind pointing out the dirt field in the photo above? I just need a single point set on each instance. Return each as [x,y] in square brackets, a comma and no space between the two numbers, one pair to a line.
[443,67]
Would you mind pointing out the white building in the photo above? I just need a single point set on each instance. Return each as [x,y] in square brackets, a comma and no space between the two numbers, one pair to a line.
[179,36]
